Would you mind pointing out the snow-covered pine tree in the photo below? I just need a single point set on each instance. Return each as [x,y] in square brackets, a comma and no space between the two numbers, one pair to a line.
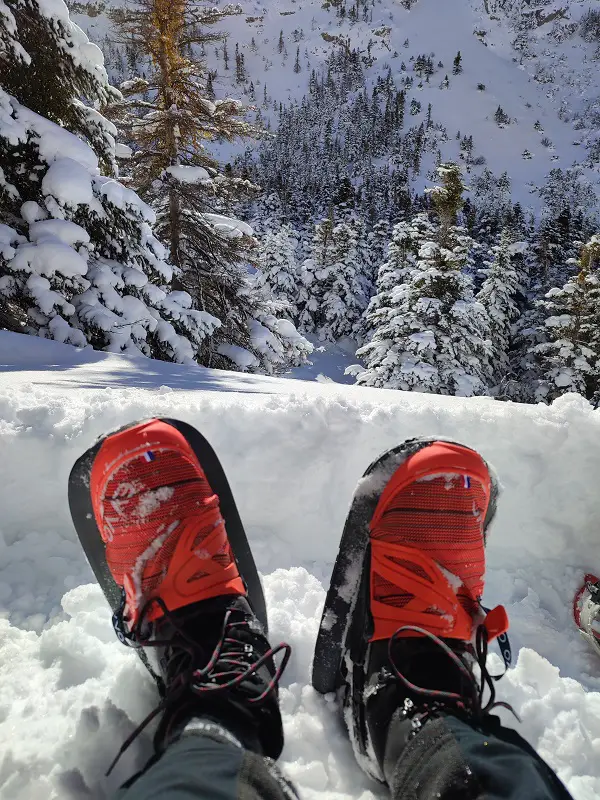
[78,260]
[267,214]
[550,262]
[321,261]
[279,266]
[435,337]
[403,251]
[275,344]
[305,301]
[62,77]
[342,287]
[499,295]
[556,244]
[173,171]
[488,214]
[369,249]
[569,359]
[377,242]
[457,66]
[11,50]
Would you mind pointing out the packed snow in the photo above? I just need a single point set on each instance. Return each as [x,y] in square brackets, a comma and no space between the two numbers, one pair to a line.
[294,451]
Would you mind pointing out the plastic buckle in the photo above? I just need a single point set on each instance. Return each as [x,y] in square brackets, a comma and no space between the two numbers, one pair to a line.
[496,624]
[124,635]
[594,590]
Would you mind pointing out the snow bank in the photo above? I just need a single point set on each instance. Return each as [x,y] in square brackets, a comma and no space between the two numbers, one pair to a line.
[293,452]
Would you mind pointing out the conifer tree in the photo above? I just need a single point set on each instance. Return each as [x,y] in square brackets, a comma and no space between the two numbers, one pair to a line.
[457,67]
[396,270]
[569,359]
[279,266]
[79,262]
[306,301]
[173,171]
[499,296]
[448,200]
[556,244]
[400,108]
[550,264]
[225,55]
[170,131]
[378,241]
[48,64]
[240,66]
[335,280]
[342,287]
[321,262]
[434,336]
[11,49]
[501,117]
[210,89]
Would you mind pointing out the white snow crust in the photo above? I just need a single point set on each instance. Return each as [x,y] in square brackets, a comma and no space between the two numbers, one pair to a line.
[52,140]
[189,174]
[229,227]
[294,452]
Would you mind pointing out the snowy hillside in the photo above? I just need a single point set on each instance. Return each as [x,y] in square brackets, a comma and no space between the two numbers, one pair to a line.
[293,451]
[544,80]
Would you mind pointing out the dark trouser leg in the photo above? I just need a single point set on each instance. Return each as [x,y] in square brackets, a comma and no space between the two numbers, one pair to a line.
[198,767]
[450,760]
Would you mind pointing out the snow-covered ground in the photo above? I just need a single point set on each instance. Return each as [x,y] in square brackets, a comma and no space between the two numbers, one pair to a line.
[293,451]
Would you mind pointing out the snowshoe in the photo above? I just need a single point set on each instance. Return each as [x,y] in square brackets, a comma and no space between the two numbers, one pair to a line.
[586,610]
[405,596]
[348,622]
[84,514]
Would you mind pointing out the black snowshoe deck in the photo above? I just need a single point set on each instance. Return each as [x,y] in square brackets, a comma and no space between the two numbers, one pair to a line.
[345,590]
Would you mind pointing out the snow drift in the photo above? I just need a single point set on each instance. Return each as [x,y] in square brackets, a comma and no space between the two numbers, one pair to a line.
[293,452]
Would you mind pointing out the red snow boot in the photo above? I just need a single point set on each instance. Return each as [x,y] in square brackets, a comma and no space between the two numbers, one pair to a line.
[403,626]
[184,597]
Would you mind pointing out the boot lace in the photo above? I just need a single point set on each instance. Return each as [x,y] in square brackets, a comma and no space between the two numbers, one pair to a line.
[472,700]
[231,663]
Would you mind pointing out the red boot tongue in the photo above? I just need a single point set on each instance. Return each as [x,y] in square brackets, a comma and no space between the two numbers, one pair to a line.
[437,502]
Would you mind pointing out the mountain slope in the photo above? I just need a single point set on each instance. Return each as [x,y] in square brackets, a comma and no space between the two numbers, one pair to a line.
[293,451]
[552,72]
